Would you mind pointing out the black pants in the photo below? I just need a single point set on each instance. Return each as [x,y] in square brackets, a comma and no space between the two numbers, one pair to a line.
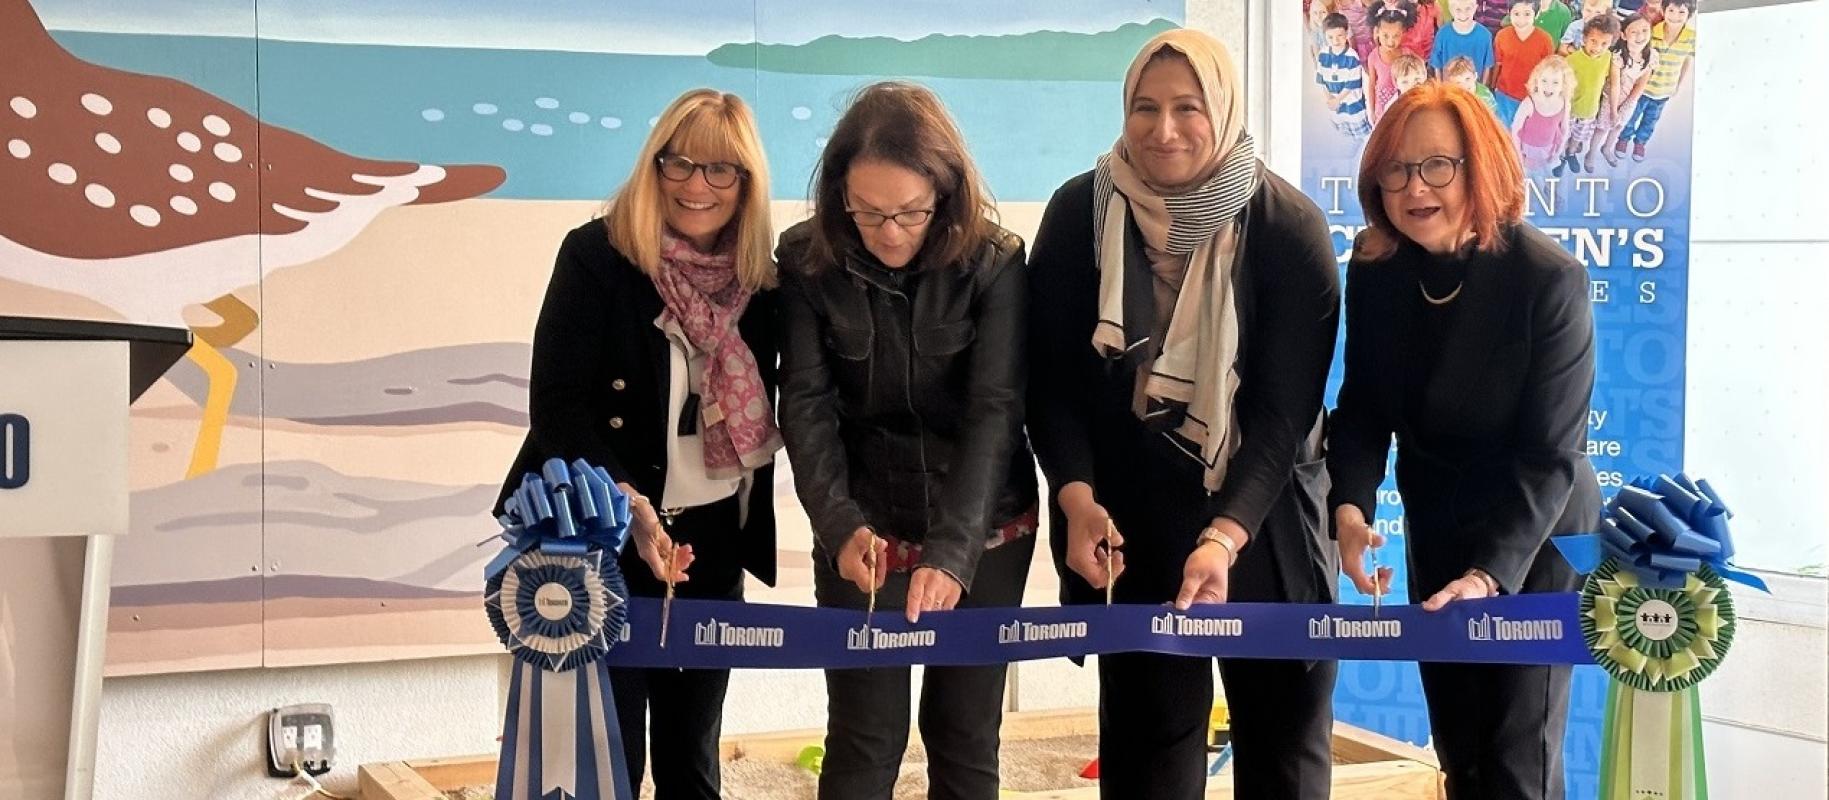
[1153,712]
[1498,729]
[1154,709]
[681,713]
[677,715]
[961,714]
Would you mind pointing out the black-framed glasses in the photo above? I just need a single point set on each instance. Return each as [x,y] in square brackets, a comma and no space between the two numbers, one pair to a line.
[1436,171]
[719,174]
[912,218]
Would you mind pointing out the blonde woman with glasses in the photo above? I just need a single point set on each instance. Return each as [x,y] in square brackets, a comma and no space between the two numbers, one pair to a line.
[654,358]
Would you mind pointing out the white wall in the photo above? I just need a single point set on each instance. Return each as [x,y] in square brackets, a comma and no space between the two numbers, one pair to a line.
[203,735]
[1765,717]
[1758,339]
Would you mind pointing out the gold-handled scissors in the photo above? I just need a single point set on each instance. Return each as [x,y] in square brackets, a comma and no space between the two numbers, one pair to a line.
[1111,579]
[870,563]
[666,605]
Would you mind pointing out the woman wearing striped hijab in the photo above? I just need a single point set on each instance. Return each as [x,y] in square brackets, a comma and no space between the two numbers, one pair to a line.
[1183,307]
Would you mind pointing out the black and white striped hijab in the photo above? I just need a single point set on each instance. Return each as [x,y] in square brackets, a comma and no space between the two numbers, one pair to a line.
[1190,382]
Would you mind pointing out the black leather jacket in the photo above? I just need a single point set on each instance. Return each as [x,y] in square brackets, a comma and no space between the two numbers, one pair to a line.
[902,397]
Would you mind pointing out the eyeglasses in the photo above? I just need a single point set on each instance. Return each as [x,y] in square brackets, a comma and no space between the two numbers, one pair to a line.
[913,218]
[1436,171]
[719,174]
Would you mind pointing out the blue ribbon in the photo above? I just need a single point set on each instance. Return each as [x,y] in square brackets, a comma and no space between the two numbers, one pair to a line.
[573,714]
[555,596]
[563,511]
[565,527]
[1517,629]
[1661,529]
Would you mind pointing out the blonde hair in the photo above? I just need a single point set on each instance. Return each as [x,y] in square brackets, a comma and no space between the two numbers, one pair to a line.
[1556,64]
[1407,65]
[1318,11]
[703,124]
[1460,65]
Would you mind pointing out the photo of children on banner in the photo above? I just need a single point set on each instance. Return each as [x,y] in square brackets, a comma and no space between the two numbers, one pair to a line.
[1462,37]
[1617,64]
[1342,75]
[1632,59]
[1652,10]
[1419,21]
[1574,33]
[1461,72]
[1409,72]
[1387,33]
[1541,125]
[1517,50]
[1675,41]
[1554,17]
[1595,79]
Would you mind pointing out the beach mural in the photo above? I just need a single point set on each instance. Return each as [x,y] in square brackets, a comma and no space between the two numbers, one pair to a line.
[354,206]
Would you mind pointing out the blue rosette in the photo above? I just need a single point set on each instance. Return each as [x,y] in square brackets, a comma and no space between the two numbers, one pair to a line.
[1662,529]
[555,595]
[557,600]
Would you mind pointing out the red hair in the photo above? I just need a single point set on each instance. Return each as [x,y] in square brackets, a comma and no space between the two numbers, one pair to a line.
[1492,172]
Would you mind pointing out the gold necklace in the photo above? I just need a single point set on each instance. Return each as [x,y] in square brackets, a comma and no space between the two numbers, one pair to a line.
[1442,301]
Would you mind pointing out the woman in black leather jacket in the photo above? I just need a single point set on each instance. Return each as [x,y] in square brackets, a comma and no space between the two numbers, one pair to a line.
[902,377]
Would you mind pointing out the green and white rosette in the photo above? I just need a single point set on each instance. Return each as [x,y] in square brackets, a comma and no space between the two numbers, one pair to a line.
[1652,639]
[1657,644]
[1657,616]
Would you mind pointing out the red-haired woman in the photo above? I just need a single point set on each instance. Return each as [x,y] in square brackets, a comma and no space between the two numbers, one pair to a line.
[1469,337]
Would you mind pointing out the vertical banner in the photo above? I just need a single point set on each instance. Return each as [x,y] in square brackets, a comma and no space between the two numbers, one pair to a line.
[1599,98]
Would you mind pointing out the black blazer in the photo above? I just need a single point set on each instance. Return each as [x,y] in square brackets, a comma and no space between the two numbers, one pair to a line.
[599,391]
[1491,432]
[1287,287]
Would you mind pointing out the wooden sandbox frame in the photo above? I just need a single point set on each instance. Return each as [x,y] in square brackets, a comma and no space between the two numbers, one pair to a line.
[1367,766]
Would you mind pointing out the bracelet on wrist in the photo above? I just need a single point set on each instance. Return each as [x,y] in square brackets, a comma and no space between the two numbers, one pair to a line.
[1215,536]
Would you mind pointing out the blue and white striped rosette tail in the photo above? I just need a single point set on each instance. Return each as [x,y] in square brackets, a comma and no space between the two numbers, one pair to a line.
[557,600]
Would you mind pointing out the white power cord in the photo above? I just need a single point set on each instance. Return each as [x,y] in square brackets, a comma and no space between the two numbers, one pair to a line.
[317,789]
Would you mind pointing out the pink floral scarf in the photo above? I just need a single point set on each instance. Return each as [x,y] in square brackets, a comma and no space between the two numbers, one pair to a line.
[703,295]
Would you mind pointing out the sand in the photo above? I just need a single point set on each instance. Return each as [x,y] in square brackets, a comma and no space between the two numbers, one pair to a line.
[1031,765]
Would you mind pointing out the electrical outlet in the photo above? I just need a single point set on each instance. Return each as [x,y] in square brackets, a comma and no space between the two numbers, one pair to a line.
[301,735]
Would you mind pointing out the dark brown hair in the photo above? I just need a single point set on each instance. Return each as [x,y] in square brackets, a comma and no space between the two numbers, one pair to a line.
[903,124]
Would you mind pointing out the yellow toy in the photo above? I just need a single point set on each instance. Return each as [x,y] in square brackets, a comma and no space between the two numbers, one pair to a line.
[1219,727]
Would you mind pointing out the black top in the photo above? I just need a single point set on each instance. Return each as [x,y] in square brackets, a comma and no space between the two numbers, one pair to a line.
[1488,396]
[902,397]
[1287,288]
[600,390]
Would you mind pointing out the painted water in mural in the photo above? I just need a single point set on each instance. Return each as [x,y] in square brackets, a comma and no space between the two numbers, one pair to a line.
[355,212]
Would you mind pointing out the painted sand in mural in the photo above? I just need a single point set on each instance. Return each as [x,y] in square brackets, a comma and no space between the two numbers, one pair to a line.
[360,237]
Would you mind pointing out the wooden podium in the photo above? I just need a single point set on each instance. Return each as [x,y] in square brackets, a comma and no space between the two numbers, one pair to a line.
[65,386]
